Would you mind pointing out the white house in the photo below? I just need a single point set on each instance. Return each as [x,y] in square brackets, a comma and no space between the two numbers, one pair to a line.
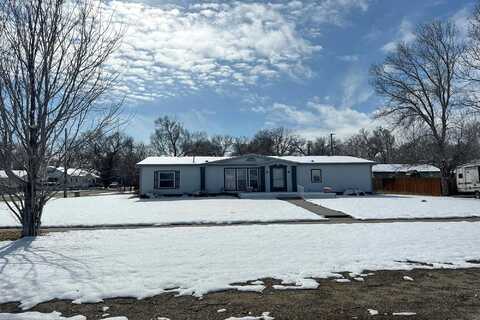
[253,173]
[76,178]
[6,182]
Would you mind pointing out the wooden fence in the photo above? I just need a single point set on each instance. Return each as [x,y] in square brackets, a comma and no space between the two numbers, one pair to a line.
[409,185]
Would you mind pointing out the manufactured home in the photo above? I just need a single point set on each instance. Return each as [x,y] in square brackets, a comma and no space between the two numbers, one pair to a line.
[253,174]
[468,178]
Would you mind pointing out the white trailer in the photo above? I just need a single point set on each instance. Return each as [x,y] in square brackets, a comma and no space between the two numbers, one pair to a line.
[468,178]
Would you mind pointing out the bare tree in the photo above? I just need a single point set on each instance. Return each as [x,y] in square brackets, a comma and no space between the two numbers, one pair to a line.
[169,137]
[471,61]
[52,59]
[419,83]
[223,143]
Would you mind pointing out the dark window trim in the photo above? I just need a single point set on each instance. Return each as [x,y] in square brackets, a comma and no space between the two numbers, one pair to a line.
[156,183]
[311,175]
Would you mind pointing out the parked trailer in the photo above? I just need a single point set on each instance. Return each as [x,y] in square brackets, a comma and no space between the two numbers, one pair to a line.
[468,178]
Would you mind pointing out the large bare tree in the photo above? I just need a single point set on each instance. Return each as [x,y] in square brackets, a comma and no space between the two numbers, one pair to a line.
[419,81]
[53,56]
[471,62]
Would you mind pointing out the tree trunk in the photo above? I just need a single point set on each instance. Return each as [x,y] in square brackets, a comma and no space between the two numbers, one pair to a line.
[444,180]
[30,223]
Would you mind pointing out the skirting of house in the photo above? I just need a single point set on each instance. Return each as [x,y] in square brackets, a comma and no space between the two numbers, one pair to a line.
[285,195]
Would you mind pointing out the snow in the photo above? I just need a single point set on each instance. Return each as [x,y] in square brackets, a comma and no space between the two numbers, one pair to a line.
[125,209]
[324,159]
[404,313]
[91,265]
[264,316]
[18,173]
[396,206]
[179,160]
[38,316]
[407,278]
[392,168]
[296,159]
[372,312]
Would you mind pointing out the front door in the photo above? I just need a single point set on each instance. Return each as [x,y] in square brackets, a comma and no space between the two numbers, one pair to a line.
[278,178]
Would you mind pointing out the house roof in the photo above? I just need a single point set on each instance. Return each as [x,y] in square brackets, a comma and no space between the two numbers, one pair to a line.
[18,173]
[402,168]
[76,172]
[296,159]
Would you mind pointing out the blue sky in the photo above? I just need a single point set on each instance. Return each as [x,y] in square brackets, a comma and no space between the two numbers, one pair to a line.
[234,67]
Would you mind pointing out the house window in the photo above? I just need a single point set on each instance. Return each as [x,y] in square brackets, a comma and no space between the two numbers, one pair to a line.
[167,179]
[460,176]
[241,179]
[230,179]
[316,175]
[253,178]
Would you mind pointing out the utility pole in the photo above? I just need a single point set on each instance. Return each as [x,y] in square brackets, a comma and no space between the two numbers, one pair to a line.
[331,144]
[65,164]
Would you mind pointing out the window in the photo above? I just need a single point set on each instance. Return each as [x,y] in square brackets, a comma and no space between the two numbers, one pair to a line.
[460,176]
[230,179]
[253,178]
[316,176]
[167,179]
[241,179]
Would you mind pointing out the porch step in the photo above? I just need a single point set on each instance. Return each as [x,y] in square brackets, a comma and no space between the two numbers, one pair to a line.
[317,209]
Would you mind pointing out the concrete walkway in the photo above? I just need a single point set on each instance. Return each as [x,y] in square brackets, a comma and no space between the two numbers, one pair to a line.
[317,209]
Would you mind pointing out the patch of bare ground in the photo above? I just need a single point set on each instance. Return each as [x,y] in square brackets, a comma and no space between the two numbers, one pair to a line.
[433,294]
[14,234]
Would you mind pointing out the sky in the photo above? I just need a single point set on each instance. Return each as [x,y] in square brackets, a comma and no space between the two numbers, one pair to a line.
[234,67]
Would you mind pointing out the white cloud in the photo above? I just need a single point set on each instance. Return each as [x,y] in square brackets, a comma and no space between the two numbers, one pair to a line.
[405,34]
[205,45]
[169,49]
[318,119]
[356,89]
[461,19]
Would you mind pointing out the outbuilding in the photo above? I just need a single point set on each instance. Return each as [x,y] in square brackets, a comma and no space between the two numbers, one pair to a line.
[253,174]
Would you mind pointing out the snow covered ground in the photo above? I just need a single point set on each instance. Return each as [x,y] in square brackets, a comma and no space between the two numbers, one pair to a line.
[90,265]
[400,206]
[124,209]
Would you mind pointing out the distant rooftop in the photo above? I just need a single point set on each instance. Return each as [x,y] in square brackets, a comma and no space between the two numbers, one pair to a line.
[396,167]
[18,173]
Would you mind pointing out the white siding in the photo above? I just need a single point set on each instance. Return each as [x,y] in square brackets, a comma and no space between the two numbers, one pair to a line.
[189,179]
[337,176]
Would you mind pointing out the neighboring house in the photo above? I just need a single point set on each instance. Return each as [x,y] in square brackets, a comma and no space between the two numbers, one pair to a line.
[405,170]
[76,178]
[6,182]
[253,173]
